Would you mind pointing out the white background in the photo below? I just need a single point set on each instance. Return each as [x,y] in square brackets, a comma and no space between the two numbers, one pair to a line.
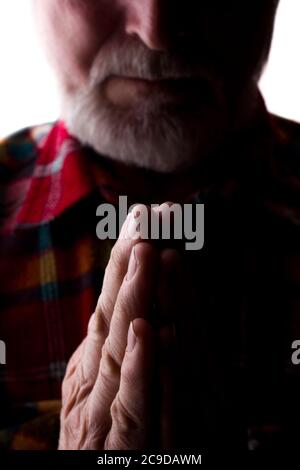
[27,86]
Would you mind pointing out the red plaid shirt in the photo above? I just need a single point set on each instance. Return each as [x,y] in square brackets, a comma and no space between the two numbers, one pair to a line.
[52,266]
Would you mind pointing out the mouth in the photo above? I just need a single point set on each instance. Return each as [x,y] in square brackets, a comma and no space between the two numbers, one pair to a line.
[126,91]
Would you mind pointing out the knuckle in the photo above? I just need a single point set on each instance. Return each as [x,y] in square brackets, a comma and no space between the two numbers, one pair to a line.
[99,326]
[125,422]
[109,366]
[110,361]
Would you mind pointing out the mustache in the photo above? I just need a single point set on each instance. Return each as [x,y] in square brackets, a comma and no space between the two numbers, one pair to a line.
[133,59]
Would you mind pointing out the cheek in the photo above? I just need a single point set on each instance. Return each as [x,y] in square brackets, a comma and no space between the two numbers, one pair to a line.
[75,31]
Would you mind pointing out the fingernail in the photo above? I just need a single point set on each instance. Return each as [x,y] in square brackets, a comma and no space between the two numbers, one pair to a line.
[132,265]
[131,340]
[131,229]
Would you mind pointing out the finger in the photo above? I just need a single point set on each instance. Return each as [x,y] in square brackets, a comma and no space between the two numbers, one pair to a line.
[131,407]
[100,321]
[135,297]
[168,292]
[170,221]
[134,300]
[116,269]
[167,364]
[168,306]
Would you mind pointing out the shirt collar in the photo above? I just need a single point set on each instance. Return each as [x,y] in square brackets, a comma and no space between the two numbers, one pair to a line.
[65,172]
[58,179]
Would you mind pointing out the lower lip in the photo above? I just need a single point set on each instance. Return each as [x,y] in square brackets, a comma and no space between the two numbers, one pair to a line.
[124,90]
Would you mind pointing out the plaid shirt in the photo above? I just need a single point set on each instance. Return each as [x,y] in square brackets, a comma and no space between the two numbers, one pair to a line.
[247,276]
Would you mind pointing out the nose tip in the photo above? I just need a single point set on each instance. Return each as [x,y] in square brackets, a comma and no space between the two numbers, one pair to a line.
[145,20]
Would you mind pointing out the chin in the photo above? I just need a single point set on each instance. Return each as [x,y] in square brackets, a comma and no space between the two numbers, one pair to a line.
[151,135]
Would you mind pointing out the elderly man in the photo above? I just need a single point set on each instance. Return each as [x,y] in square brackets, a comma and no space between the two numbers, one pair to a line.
[160,103]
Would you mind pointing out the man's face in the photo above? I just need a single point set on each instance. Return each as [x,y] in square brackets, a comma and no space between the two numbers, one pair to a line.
[156,83]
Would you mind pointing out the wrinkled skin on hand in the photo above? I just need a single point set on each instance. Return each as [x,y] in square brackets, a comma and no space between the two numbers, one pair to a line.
[117,392]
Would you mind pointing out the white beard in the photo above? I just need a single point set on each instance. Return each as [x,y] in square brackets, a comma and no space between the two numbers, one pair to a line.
[150,134]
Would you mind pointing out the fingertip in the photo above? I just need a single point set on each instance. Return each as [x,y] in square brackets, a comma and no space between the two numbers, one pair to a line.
[142,328]
[139,330]
[131,338]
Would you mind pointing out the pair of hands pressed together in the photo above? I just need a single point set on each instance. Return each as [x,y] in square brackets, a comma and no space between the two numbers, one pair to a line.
[118,388]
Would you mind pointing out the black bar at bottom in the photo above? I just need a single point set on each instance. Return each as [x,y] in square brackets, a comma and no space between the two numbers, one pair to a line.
[133,459]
